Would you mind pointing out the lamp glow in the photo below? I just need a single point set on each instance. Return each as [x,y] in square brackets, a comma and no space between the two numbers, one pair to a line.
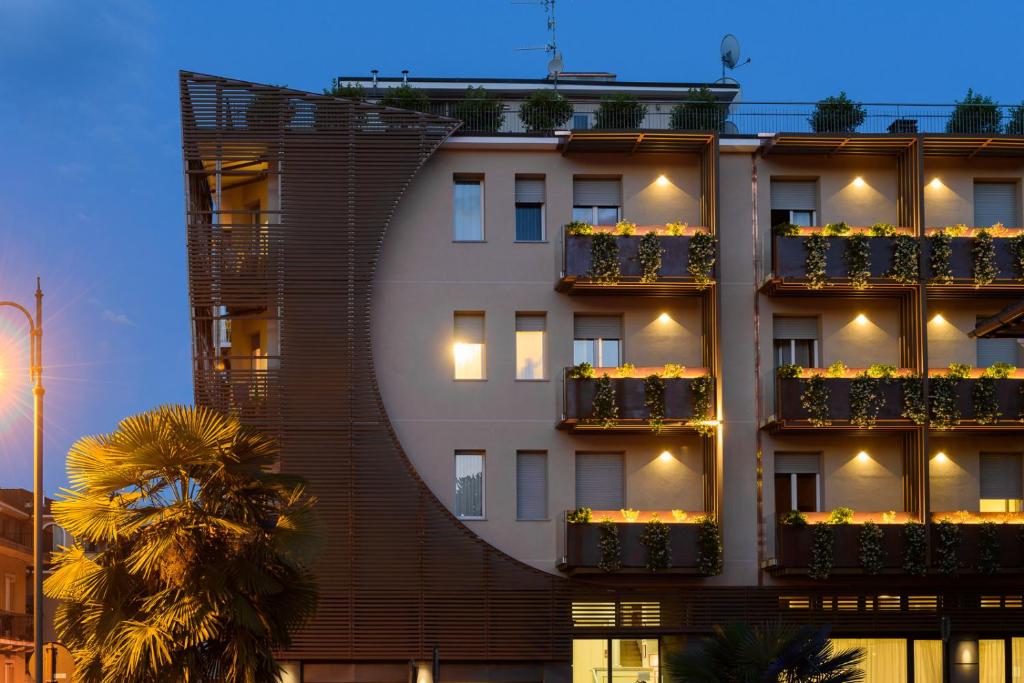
[941,457]
[662,180]
[861,319]
[858,182]
[938,319]
[664,318]
[665,456]
[935,184]
[863,456]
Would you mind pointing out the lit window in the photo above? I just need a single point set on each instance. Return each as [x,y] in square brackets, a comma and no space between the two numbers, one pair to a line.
[1001,482]
[468,346]
[469,484]
[469,210]
[794,201]
[597,200]
[530,332]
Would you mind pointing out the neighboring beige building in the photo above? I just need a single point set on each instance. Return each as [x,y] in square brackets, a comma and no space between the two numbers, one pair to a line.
[486,303]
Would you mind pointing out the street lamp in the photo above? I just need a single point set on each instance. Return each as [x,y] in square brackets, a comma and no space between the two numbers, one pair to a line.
[35,326]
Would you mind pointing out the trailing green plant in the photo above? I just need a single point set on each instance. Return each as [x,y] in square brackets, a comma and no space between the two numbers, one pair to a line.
[673,370]
[871,555]
[352,91]
[882,230]
[480,110]
[999,370]
[702,390]
[649,252]
[906,263]
[857,257]
[958,230]
[840,229]
[914,408]
[1020,403]
[709,547]
[915,548]
[959,370]
[603,411]
[940,252]
[654,401]
[786,230]
[582,371]
[945,409]
[604,259]
[976,113]
[789,371]
[840,515]
[626,370]
[699,110]
[579,516]
[655,538]
[988,548]
[947,547]
[578,228]
[793,518]
[619,111]
[837,115]
[625,228]
[1016,244]
[866,400]
[983,250]
[814,400]
[610,547]
[822,540]
[544,110]
[837,369]
[881,371]
[676,229]
[701,258]
[406,97]
[984,401]
[817,260]
[1015,124]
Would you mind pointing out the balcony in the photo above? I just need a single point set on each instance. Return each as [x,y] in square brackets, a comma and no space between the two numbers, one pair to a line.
[999,544]
[975,409]
[672,274]
[15,632]
[1008,280]
[234,264]
[689,402]
[794,544]
[814,402]
[250,394]
[582,547]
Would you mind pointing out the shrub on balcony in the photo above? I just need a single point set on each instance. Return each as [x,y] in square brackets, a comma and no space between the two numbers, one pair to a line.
[857,257]
[654,401]
[999,370]
[673,371]
[881,371]
[701,258]
[620,110]
[943,394]
[611,549]
[1017,254]
[988,548]
[976,113]
[821,551]
[816,261]
[676,229]
[983,250]
[871,555]
[604,259]
[604,412]
[793,518]
[914,408]
[579,228]
[1015,124]
[702,390]
[352,91]
[882,230]
[406,97]
[786,230]
[699,110]
[655,539]
[837,369]
[866,400]
[649,252]
[906,253]
[480,110]
[582,371]
[625,229]
[579,516]
[984,400]
[625,370]
[709,547]
[837,115]
[840,229]
[544,110]
[814,400]
[941,243]
[789,371]
[915,548]
[947,548]
[840,515]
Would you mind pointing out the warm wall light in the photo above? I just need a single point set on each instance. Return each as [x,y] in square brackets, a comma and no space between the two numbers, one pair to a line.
[937,318]
[858,182]
[935,184]
[665,456]
[941,457]
[662,180]
[863,456]
[861,319]
[664,318]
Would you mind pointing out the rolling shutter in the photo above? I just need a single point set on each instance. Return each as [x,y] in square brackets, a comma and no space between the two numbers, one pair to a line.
[597,327]
[992,351]
[788,195]
[529,190]
[469,328]
[1001,476]
[795,328]
[995,203]
[531,485]
[596,192]
[796,463]
[599,481]
[528,322]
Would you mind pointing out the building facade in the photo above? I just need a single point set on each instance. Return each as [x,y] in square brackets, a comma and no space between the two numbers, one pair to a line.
[575,385]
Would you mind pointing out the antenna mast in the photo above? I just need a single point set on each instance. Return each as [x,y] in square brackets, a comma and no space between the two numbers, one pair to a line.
[555,63]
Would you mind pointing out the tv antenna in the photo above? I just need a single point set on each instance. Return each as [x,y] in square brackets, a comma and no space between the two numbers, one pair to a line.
[730,53]
[555,64]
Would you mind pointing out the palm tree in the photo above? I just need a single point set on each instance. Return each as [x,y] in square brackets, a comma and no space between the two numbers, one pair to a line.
[772,653]
[192,557]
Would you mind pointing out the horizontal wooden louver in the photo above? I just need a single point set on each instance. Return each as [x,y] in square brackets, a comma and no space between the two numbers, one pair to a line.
[596,192]
[995,203]
[789,195]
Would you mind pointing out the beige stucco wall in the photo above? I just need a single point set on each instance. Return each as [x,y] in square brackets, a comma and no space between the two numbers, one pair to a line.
[950,200]
[954,479]
[948,325]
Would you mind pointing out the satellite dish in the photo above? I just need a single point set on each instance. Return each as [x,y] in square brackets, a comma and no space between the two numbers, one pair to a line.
[729,80]
[730,51]
[555,66]
[730,128]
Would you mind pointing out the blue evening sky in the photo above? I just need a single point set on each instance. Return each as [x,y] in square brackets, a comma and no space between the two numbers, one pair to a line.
[91,191]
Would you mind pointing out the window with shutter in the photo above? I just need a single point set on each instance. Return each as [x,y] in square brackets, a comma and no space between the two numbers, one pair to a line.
[468,346]
[597,339]
[529,209]
[530,343]
[794,201]
[1001,482]
[992,351]
[469,484]
[597,200]
[995,203]
[796,341]
[797,482]
[531,485]
[599,481]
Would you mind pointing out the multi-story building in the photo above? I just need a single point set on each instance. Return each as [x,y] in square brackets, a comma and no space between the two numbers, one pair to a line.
[15,565]
[422,307]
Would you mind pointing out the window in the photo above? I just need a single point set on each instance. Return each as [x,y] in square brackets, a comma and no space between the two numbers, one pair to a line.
[992,351]
[529,209]
[796,341]
[469,210]
[469,484]
[9,592]
[1001,483]
[995,203]
[580,121]
[531,485]
[468,347]
[794,201]
[596,201]
[599,481]
[797,482]
[886,660]
[597,339]
[530,333]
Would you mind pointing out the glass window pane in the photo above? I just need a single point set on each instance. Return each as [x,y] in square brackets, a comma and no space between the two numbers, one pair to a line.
[783,352]
[803,218]
[610,355]
[807,492]
[469,361]
[635,661]
[607,215]
[590,661]
[469,222]
[529,355]
[886,660]
[583,213]
[1017,659]
[804,353]
[927,661]
[583,351]
[991,661]
[783,492]
[529,224]
[469,485]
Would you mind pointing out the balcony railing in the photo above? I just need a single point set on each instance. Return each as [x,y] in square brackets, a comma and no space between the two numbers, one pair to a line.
[236,262]
[794,548]
[1008,277]
[251,394]
[791,413]
[16,626]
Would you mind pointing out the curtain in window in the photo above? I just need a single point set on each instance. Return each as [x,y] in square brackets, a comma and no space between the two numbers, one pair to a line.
[886,660]
[469,217]
[469,485]
[927,661]
[991,661]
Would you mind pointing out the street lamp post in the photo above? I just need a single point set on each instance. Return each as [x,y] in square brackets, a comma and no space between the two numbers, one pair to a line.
[35,326]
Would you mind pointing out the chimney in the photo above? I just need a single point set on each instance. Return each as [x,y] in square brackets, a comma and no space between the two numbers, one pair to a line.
[374,72]
[405,77]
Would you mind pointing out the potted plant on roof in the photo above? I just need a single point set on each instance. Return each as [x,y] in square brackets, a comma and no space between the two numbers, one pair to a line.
[837,115]
[975,113]
[480,111]
[620,110]
[544,111]
[403,97]
[699,110]
[330,113]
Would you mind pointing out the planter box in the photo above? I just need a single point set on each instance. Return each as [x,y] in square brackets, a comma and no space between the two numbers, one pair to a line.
[629,397]
[1007,395]
[962,262]
[794,545]
[789,257]
[789,390]
[583,550]
[674,260]
[1008,536]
